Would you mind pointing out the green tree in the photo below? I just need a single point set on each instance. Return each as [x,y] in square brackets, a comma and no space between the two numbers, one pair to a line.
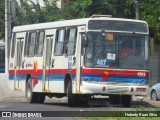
[24,14]
[149,9]
[29,12]
[76,9]
[150,12]
[50,11]
[116,8]
[86,8]
[33,13]
[2,19]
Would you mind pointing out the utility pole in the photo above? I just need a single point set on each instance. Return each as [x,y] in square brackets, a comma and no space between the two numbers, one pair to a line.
[137,4]
[7,33]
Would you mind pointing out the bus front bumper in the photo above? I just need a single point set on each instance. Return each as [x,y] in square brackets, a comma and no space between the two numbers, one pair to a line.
[114,88]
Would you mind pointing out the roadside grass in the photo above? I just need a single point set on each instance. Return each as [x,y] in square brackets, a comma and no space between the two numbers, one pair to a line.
[117,118]
[139,109]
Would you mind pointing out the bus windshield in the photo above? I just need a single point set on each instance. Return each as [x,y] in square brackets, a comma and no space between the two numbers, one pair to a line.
[116,50]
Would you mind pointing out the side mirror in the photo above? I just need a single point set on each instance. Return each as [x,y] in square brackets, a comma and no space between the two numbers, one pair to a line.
[84,40]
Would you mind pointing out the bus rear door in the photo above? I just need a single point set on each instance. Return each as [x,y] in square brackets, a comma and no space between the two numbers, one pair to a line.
[18,62]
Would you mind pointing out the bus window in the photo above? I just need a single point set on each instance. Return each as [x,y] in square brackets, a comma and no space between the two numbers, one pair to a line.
[40,44]
[26,45]
[31,43]
[2,55]
[59,45]
[13,45]
[70,47]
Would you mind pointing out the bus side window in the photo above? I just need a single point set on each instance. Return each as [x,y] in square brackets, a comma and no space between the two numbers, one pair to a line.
[13,45]
[2,55]
[39,44]
[59,44]
[70,46]
[26,45]
[31,43]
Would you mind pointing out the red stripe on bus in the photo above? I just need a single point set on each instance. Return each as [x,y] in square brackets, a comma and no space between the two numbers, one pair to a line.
[117,73]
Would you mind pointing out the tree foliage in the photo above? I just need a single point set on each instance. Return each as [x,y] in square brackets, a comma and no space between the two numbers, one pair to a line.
[150,11]
[76,9]
[30,12]
[116,8]
[27,13]
[50,11]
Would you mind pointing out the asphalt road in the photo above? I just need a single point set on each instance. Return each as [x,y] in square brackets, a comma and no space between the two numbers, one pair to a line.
[55,104]
[57,108]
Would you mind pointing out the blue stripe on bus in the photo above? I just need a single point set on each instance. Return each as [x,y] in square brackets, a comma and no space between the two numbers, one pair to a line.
[54,77]
[116,79]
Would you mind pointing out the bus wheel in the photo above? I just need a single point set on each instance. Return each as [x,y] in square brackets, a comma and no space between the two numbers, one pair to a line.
[71,97]
[31,97]
[126,100]
[82,102]
[40,97]
[154,96]
[114,99]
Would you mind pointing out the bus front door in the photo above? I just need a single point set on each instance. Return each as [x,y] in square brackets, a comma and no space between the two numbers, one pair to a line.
[18,64]
[47,60]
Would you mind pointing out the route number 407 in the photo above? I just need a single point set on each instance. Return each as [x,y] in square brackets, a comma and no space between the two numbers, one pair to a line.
[101,62]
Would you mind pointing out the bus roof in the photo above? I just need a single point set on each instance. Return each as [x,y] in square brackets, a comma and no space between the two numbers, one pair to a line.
[65,23]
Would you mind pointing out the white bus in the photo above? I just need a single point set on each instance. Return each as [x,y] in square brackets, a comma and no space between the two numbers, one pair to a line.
[79,59]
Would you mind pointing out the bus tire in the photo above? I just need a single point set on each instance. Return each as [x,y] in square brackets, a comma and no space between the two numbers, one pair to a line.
[71,97]
[41,97]
[126,100]
[153,96]
[31,96]
[29,92]
[114,99]
[82,102]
